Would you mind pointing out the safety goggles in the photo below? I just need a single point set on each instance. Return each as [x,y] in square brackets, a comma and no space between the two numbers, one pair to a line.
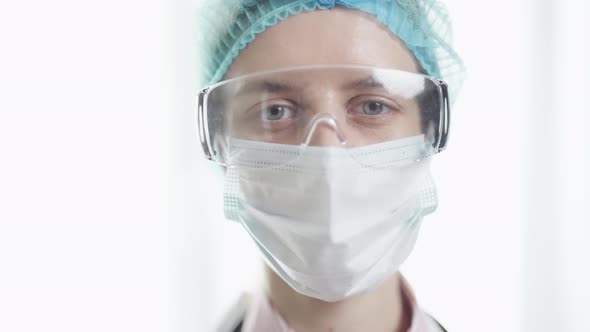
[320,106]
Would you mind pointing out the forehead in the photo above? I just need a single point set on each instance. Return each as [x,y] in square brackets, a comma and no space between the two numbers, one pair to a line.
[337,36]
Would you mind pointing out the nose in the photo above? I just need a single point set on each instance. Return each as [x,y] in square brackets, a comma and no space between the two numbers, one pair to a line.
[324,131]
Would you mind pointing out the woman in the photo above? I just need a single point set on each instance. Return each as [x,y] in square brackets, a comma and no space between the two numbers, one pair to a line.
[325,115]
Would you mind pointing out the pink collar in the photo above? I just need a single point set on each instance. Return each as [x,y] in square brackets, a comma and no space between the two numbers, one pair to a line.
[261,316]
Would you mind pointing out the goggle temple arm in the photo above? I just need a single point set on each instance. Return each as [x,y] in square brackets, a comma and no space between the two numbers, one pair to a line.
[445,120]
[202,124]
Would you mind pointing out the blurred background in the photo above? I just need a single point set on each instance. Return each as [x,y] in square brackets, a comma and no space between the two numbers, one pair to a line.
[111,220]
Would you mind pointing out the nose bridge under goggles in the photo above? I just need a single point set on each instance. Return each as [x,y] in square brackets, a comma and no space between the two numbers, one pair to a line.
[327,120]
[360,105]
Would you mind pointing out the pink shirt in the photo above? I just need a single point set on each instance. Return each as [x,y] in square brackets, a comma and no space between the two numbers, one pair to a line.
[260,316]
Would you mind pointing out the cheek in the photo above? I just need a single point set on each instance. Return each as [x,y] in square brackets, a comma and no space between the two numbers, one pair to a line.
[416,124]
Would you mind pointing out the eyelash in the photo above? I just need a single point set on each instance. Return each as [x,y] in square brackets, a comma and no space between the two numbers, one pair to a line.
[267,105]
[356,102]
[359,101]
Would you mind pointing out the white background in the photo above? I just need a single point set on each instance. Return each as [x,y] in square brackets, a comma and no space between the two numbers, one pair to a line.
[111,220]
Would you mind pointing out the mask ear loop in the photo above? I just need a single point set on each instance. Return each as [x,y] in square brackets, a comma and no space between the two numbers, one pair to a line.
[427,196]
[231,194]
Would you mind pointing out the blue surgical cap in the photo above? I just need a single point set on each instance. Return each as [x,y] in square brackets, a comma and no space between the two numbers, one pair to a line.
[225,27]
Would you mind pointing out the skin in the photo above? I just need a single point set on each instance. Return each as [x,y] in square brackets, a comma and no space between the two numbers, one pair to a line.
[310,39]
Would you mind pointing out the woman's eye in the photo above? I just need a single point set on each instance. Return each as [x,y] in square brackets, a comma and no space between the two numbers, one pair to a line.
[373,108]
[276,112]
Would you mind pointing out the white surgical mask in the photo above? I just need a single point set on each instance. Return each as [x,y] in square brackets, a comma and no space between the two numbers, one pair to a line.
[333,222]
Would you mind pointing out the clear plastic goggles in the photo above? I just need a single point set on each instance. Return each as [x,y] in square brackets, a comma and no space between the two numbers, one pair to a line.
[311,106]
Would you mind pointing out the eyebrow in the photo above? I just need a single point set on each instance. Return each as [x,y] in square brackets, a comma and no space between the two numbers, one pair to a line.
[364,83]
[278,86]
[265,86]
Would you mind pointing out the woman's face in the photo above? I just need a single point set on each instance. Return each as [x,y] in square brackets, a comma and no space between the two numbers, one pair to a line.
[329,37]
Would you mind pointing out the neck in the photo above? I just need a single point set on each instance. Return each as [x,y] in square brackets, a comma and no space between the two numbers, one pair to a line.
[381,309]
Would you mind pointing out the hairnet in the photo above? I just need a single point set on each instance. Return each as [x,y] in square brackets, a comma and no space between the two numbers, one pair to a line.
[225,27]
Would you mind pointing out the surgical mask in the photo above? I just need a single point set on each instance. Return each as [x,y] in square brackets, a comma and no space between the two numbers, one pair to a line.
[331,222]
